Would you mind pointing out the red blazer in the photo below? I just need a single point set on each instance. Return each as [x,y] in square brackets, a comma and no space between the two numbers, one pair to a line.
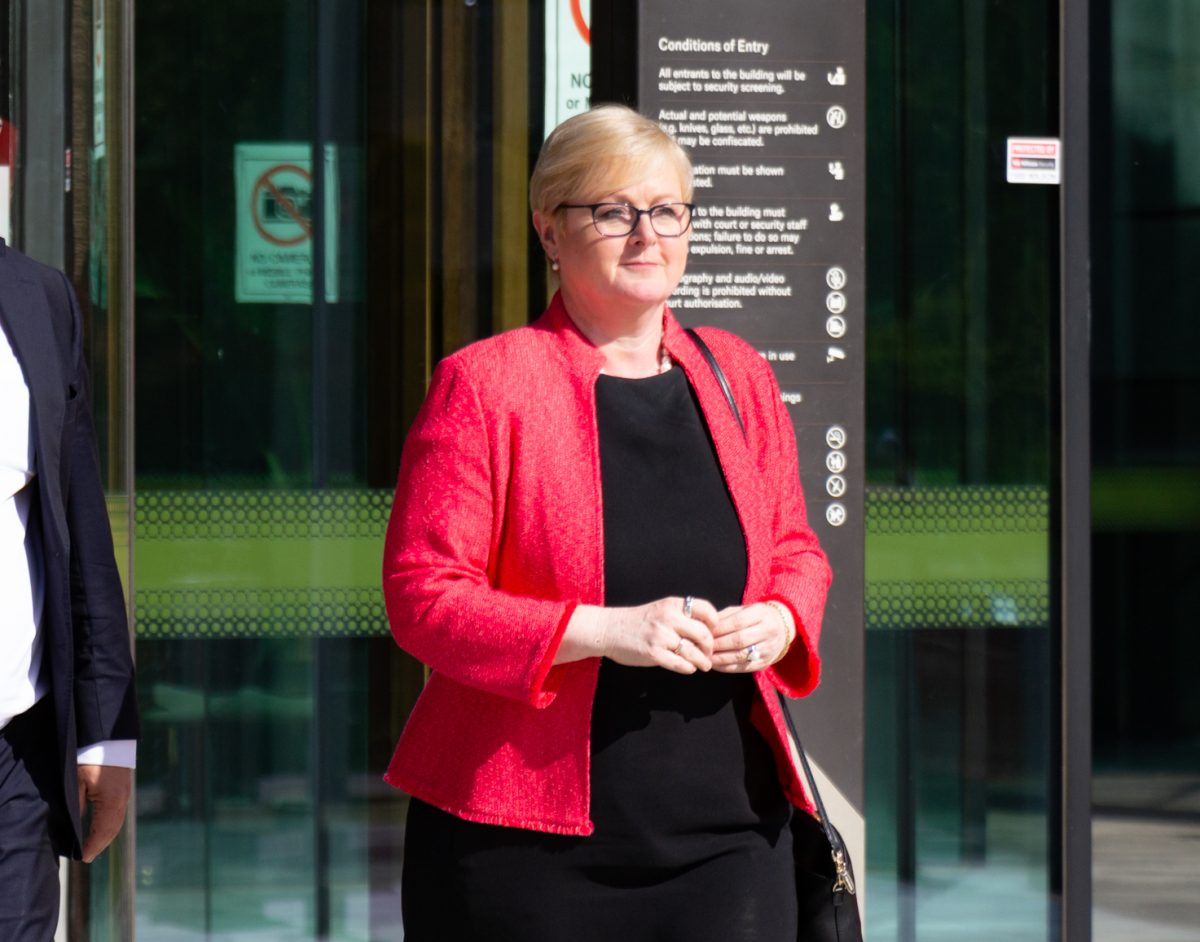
[496,535]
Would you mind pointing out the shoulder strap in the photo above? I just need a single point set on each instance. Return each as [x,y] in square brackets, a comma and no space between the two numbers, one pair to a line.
[837,848]
[841,859]
[720,375]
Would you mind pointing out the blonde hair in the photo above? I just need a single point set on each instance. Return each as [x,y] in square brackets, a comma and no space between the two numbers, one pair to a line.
[586,153]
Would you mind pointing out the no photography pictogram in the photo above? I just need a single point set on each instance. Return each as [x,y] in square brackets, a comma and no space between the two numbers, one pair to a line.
[581,23]
[281,204]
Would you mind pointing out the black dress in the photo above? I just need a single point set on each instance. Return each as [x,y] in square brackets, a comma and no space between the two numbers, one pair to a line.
[691,841]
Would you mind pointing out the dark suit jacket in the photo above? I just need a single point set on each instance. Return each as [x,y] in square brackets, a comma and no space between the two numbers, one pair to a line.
[86,646]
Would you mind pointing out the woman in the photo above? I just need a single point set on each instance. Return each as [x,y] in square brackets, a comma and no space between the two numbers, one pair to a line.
[609,581]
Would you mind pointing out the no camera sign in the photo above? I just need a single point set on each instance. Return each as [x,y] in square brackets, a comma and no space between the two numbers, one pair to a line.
[281,204]
[273,188]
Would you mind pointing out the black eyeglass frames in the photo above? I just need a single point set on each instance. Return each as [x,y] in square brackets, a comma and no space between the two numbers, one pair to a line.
[613,220]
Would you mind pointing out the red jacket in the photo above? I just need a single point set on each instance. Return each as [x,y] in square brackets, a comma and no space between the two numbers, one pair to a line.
[496,535]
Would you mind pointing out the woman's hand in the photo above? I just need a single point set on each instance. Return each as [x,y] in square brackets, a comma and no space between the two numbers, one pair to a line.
[750,637]
[673,633]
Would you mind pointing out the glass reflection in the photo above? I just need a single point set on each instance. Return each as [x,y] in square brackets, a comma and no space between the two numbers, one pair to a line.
[961,650]
[1146,474]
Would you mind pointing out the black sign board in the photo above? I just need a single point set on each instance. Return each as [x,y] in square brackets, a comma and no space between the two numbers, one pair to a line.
[768,97]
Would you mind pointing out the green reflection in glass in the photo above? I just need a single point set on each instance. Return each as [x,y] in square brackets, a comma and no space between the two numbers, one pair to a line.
[962,306]
[1145,70]
[261,633]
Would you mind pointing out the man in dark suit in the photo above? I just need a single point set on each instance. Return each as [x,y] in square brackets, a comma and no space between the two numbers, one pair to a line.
[68,718]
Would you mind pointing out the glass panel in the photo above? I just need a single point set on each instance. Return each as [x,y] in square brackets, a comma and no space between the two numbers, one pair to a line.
[962,269]
[259,513]
[99,260]
[35,134]
[1146,476]
[325,196]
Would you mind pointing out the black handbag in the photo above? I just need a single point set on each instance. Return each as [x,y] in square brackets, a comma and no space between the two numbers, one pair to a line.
[825,888]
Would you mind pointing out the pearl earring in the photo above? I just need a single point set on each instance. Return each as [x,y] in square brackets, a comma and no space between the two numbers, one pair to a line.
[554,264]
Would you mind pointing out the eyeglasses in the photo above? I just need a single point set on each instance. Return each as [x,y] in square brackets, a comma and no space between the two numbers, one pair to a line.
[613,220]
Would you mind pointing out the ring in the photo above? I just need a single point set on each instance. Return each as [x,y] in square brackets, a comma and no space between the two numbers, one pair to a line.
[679,647]
[688,601]
[750,654]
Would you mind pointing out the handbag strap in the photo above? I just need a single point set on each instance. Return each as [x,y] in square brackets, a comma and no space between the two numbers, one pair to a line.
[837,848]
[720,375]
[841,859]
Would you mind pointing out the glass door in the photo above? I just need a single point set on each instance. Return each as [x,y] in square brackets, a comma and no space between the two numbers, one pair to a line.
[962,636]
[1146,471]
[261,636]
[330,196]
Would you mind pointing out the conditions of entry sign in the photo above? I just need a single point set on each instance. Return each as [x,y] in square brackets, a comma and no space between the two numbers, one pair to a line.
[769,98]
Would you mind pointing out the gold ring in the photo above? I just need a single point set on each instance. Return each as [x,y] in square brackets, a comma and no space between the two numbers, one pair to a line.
[679,647]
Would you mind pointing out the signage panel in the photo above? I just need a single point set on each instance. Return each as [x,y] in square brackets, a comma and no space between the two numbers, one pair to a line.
[274,237]
[568,60]
[1033,160]
[769,100]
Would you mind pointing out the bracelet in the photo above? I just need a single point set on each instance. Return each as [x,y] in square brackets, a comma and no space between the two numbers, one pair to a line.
[789,626]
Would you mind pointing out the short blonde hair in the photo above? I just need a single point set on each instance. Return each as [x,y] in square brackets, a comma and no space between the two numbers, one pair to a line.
[590,150]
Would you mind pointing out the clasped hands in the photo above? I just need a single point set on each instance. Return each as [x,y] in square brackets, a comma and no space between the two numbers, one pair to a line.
[681,635]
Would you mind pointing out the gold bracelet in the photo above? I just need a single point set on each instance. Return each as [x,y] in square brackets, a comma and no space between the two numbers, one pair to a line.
[789,627]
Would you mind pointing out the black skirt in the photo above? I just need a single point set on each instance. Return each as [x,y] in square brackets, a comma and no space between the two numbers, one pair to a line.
[691,839]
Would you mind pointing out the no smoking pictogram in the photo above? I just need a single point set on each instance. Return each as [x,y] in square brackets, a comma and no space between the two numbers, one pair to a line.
[280,204]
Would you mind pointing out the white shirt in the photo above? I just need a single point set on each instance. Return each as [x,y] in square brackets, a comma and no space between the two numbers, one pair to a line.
[21,685]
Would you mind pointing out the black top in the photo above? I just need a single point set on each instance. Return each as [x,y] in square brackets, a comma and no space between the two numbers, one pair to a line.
[674,756]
